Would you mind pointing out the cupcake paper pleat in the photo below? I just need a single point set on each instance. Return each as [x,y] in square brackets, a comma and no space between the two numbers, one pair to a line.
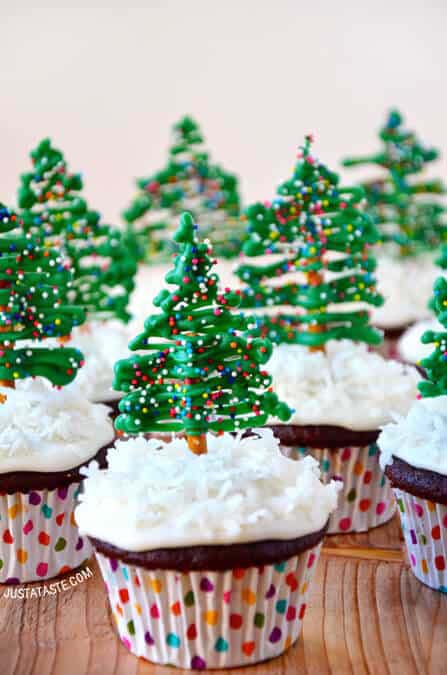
[366,500]
[200,620]
[39,538]
[424,524]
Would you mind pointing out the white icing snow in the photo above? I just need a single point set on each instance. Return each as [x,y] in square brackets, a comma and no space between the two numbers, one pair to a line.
[419,438]
[346,385]
[156,494]
[47,429]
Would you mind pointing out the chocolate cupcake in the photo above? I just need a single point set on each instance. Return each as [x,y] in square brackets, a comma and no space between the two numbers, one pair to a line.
[45,438]
[414,456]
[341,398]
[207,559]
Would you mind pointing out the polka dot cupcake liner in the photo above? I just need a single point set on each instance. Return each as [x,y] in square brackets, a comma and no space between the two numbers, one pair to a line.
[366,500]
[424,525]
[39,538]
[202,620]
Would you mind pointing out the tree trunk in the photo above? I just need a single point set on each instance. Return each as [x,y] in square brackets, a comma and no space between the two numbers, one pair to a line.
[197,444]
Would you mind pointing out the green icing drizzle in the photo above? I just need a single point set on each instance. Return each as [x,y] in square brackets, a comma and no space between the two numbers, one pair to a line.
[317,228]
[55,213]
[201,372]
[188,181]
[435,365]
[399,204]
[34,284]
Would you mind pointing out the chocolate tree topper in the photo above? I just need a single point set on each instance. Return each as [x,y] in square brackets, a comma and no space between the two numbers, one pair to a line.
[54,211]
[33,287]
[317,229]
[435,365]
[201,373]
[189,181]
[400,204]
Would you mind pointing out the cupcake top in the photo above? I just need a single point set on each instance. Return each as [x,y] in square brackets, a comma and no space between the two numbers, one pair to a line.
[102,343]
[346,386]
[159,495]
[419,438]
[410,347]
[44,429]
[406,284]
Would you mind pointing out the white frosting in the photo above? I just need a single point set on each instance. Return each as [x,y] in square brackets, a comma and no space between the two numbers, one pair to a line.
[420,438]
[102,344]
[155,494]
[410,347]
[46,429]
[346,385]
[407,286]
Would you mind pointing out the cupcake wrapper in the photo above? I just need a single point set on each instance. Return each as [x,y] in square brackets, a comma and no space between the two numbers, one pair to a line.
[200,620]
[39,538]
[424,525]
[366,499]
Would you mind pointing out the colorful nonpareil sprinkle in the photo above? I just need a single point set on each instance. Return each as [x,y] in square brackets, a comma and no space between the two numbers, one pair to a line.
[201,372]
[34,285]
[404,209]
[54,211]
[189,181]
[317,229]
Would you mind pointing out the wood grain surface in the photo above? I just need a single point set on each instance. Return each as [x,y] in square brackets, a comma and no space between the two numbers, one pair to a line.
[367,614]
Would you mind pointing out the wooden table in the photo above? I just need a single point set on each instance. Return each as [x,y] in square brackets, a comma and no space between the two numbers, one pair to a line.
[367,614]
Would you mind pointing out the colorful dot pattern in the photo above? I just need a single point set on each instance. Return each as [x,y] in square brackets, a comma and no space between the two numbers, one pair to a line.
[203,620]
[39,538]
[424,525]
[366,499]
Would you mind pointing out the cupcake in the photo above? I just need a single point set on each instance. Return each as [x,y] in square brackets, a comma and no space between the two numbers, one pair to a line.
[410,215]
[321,366]
[207,560]
[414,456]
[207,543]
[45,434]
[342,397]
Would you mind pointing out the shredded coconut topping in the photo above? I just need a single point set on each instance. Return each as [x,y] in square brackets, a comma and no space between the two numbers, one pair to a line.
[420,438]
[156,494]
[347,385]
[45,429]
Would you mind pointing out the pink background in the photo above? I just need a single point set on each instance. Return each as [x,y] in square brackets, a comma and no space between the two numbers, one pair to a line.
[107,83]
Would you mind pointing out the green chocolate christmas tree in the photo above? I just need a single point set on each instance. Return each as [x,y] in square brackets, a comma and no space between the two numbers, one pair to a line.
[435,365]
[201,373]
[400,203]
[55,213]
[188,181]
[318,229]
[34,284]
